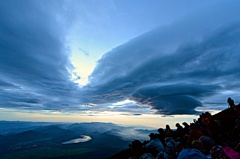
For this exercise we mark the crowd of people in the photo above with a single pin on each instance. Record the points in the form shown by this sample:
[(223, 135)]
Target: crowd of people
[(209, 137)]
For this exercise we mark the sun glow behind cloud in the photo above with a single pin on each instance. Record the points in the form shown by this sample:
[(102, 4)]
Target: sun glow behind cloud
[(83, 67)]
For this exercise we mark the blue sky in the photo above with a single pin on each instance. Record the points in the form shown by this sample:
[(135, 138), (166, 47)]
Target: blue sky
[(81, 60)]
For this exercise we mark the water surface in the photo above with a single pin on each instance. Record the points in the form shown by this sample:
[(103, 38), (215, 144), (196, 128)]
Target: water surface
[(83, 138)]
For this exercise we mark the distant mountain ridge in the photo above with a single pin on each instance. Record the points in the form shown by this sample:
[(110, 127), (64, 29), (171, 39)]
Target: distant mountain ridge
[(27, 138)]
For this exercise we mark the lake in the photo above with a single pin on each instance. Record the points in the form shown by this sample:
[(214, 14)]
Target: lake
[(83, 138)]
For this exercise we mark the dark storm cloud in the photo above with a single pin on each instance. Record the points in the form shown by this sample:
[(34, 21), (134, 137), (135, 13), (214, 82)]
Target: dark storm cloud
[(176, 68), (34, 61)]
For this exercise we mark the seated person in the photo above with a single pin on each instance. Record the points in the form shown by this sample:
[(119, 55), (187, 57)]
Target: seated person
[(138, 151), (155, 145)]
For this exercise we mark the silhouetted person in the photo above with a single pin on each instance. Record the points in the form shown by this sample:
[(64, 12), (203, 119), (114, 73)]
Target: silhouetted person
[(179, 132), (231, 102), (138, 151), (161, 136), (155, 145), (186, 128), (136, 148), (168, 131)]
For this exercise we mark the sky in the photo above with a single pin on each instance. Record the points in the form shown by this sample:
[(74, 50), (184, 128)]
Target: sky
[(148, 62)]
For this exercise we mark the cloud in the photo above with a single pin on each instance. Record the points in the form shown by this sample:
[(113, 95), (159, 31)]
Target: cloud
[(86, 53), (34, 61), (179, 66), (172, 69), (173, 99), (6, 85)]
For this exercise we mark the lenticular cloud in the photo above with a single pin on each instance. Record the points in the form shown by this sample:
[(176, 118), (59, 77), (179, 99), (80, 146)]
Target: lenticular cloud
[(176, 67)]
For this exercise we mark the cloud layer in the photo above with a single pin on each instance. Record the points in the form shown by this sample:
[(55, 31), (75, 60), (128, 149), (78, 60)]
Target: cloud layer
[(172, 69), (34, 61), (177, 68)]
